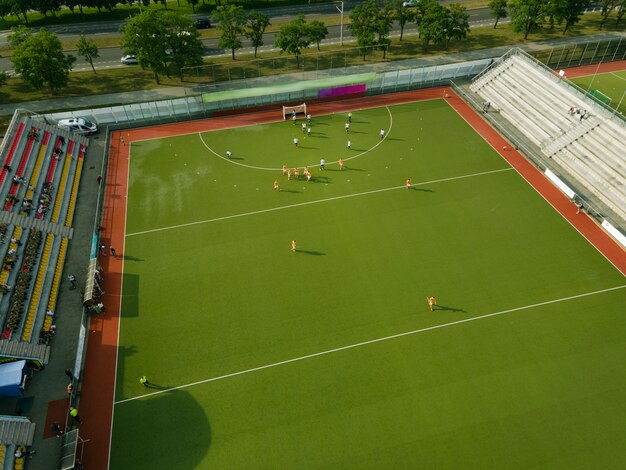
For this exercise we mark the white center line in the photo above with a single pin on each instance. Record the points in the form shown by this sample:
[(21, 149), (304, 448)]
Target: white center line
[(335, 198), (372, 341)]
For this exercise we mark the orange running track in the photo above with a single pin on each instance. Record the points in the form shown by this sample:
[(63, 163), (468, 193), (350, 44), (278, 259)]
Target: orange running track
[(98, 390)]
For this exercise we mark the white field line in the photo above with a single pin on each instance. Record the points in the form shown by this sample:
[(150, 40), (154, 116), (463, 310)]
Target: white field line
[(235, 125), (318, 201), (531, 185), (280, 169), (119, 319), (618, 76), (372, 341)]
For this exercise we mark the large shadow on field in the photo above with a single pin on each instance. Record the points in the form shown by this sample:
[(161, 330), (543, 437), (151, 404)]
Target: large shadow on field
[(130, 295), (169, 430)]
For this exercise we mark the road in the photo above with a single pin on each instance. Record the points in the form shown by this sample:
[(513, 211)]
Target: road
[(110, 56)]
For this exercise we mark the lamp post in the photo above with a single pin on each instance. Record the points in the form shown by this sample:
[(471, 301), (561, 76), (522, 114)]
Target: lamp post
[(341, 28)]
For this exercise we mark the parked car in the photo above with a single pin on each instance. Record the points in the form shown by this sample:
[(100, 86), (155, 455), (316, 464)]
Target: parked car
[(203, 23), (129, 60), (78, 126), (410, 3)]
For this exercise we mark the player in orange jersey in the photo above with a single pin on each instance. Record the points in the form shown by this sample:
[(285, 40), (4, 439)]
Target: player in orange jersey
[(276, 187), (408, 183), (289, 173), (308, 176), (341, 163), (284, 169), (296, 172), (293, 246), (432, 301)]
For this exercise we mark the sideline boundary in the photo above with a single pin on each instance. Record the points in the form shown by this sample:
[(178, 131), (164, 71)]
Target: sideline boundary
[(317, 201), (371, 341), (98, 386), (584, 224)]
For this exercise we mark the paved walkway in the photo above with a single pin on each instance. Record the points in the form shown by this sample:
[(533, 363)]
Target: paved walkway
[(97, 101)]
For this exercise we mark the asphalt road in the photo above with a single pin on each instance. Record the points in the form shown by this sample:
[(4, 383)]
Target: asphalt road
[(110, 56)]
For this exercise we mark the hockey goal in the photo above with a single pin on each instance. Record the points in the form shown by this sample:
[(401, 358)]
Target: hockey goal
[(288, 111)]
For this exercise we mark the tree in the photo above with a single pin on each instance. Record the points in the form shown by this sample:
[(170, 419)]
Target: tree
[(606, 7), (571, 11), (434, 24), (21, 6), (255, 28), (457, 22), (193, 4), (18, 36), (498, 10), (162, 38), (46, 6), (88, 49), (317, 32), (294, 37), (6, 8), (4, 77), (231, 20), (527, 15), (403, 15), (621, 9), (383, 24), (40, 61), (363, 24)]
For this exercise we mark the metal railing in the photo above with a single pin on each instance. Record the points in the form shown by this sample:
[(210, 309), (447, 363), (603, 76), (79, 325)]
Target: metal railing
[(538, 159)]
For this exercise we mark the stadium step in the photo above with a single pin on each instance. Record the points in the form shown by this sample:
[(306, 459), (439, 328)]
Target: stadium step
[(13, 218), (16, 430), (565, 139), (22, 350)]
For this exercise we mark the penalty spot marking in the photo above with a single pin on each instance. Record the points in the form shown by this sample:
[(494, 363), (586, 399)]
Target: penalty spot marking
[(372, 341), (290, 206)]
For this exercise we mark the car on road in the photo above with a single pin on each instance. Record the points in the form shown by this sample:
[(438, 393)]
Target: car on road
[(78, 126), (203, 23), (129, 60), (410, 3)]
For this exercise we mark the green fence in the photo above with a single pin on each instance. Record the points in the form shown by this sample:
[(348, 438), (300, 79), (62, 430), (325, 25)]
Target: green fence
[(584, 53)]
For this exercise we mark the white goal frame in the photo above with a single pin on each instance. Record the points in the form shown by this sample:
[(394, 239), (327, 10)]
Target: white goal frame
[(289, 110)]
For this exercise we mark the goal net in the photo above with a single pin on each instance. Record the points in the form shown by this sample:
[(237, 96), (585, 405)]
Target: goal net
[(289, 110)]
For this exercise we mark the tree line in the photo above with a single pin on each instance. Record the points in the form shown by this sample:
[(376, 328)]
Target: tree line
[(166, 41), (531, 15)]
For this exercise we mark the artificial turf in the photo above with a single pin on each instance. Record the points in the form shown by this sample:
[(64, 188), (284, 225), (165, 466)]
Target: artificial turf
[(536, 387), (612, 84)]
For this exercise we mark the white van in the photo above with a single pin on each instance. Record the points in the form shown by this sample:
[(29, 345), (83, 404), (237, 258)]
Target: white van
[(78, 126)]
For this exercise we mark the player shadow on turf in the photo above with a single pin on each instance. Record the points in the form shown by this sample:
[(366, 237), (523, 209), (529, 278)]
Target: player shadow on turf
[(346, 168), (236, 158), (413, 188), (322, 179), (159, 386), (306, 147), (448, 308), (311, 252), (295, 191), (131, 258)]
